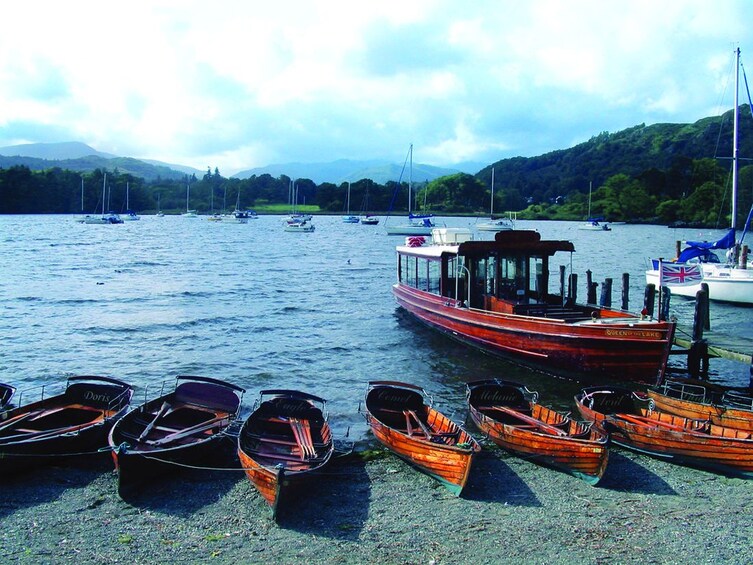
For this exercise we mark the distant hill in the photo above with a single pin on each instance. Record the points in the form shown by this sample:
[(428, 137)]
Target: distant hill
[(665, 150), (53, 151), (345, 170), (76, 156)]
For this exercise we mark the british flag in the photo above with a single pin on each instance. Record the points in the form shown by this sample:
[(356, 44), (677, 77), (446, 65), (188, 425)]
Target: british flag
[(680, 274)]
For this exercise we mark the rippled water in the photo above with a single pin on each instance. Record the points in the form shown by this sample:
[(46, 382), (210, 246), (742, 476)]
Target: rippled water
[(148, 300)]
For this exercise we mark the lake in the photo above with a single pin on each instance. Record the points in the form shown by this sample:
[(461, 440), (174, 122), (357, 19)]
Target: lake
[(146, 301)]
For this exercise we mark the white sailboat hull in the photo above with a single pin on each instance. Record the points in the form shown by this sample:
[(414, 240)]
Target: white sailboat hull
[(726, 284)]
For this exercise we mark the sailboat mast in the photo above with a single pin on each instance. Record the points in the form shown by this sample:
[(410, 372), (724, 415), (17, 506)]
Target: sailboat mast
[(735, 121), (491, 209), (104, 193), (410, 181), (82, 194)]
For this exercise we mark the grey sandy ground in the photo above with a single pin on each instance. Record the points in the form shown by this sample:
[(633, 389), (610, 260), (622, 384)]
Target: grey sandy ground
[(383, 511)]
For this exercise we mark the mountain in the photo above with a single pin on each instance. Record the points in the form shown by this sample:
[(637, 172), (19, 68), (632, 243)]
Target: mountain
[(53, 151), (76, 156), (346, 170)]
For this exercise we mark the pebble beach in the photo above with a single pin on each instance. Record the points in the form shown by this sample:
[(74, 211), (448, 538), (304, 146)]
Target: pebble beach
[(371, 507)]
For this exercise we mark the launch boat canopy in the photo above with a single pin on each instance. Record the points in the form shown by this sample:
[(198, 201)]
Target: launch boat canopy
[(494, 295)]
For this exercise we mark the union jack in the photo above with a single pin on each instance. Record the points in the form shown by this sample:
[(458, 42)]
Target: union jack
[(679, 274)]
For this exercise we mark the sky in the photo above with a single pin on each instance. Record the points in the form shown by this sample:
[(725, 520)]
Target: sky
[(248, 83)]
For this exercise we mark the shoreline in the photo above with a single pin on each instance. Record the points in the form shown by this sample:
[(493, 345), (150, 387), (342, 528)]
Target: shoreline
[(373, 507)]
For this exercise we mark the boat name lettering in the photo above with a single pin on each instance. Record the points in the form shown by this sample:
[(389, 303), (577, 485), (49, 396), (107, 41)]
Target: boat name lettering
[(499, 397), (634, 333), (98, 397)]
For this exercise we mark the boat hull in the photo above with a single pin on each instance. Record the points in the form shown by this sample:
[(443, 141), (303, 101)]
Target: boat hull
[(72, 424), (580, 451), (694, 443), (449, 463), (188, 426), (283, 443), (664, 400), (725, 284), (612, 348)]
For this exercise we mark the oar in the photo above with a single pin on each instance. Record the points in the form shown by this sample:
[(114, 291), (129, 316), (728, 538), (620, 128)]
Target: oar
[(148, 428), (19, 418), (423, 427), (201, 427), (544, 427)]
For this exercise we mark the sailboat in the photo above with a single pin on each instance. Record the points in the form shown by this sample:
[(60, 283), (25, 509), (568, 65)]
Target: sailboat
[(189, 213), (728, 281), (496, 224), (106, 217), (160, 213), (130, 215), (592, 224), (418, 224), (348, 218), (366, 218)]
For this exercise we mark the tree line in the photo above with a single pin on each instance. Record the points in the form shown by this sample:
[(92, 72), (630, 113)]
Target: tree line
[(692, 191)]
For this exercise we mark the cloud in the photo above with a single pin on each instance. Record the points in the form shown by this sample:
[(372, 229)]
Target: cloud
[(241, 84)]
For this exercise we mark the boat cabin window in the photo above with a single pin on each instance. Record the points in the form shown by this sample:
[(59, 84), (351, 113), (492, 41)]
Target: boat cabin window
[(420, 273)]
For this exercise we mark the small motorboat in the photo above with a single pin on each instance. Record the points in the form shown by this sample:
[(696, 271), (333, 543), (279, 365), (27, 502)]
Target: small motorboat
[(283, 442), (401, 417), (75, 422), (182, 427), (298, 225), (511, 416)]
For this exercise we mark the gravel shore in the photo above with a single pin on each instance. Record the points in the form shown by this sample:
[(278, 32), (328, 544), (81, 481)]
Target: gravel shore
[(374, 508)]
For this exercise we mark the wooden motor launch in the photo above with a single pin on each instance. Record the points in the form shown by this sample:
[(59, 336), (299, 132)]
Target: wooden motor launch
[(494, 296)]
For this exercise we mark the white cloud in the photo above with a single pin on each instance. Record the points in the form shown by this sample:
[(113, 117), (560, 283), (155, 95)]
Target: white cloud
[(239, 84)]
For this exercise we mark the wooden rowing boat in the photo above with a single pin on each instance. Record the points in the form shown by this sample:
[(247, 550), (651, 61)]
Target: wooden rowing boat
[(182, 427), (283, 442), (724, 406), (510, 415), (73, 423), (597, 402), (687, 441), (401, 417)]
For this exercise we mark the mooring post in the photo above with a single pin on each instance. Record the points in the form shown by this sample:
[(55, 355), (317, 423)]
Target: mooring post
[(625, 290), (590, 288), (664, 305), (698, 355), (572, 291), (705, 306), (562, 284), (744, 257), (606, 294), (648, 300)]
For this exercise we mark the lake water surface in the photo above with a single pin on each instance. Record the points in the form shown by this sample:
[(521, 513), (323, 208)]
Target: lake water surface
[(149, 300)]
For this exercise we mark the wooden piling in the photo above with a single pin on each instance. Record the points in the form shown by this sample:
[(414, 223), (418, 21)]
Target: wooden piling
[(625, 291), (648, 300), (562, 284), (665, 294), (572, 290), (606, 294)]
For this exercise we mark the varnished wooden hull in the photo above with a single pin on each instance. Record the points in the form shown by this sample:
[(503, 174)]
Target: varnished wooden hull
[(686, 441), (72, 424), (616, 350), (271, 452), (706, 407), (581, 451), (449, 463), (186, 427)]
